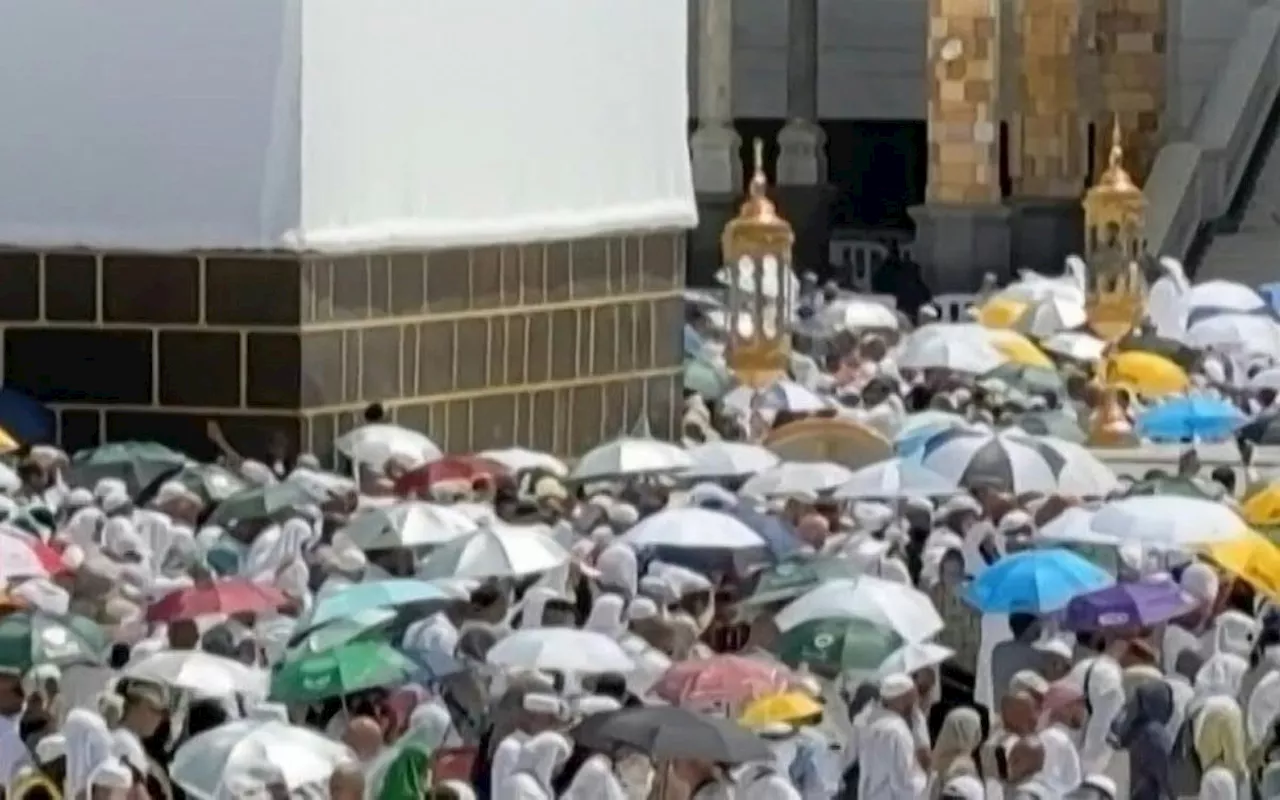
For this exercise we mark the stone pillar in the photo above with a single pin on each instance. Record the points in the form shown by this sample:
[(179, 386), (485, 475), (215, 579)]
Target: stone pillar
[(962, 230), (1048, 134), (1131, 40), (803, 191), (715, 145)]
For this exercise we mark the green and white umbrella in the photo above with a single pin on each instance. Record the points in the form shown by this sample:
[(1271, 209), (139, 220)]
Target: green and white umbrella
[(138, 464), (265, 502), (29, 638), (410, 524), (792, 577), (353, 667), (832, 646)]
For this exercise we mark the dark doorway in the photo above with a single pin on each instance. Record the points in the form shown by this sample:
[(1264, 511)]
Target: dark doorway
[(878, 170)]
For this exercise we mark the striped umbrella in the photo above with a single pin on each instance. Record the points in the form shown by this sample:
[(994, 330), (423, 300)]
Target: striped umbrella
[(1007, 461)]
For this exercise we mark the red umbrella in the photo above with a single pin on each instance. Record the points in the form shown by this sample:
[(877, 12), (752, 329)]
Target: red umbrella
[(723, 680), (48, 557), (450, 469), (232, 596)]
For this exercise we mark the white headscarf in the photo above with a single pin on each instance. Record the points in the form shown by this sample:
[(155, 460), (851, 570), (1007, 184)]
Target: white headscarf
[(606, 616), (535, 603), (540, 759), (619, 569), (1221, 676), (88, 748), (595, 781), (84, 527)]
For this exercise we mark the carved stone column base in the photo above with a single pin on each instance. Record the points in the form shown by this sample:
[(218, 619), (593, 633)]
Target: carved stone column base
[(802, 154), (1046, 231), (956, 245), (715, 153)]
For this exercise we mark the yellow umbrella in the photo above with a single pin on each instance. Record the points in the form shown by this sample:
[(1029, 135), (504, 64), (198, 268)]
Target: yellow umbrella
[(1018, 349), (7, 443), (1001, 312), (1262, 509), (1253, 559), (1147, 373), (785, 707)]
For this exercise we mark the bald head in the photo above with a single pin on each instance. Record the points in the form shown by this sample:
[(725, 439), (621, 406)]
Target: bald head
[(364, 737), (1019, 712), (347, 783)]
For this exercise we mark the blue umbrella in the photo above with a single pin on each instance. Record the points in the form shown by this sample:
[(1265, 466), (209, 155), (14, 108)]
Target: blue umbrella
[(26, 418), (1035, 581), (1191, 417), (352, 600), (778, 535)]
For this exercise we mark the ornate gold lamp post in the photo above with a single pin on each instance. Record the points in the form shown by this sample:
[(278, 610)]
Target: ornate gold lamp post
[(757, 248), (1115, 217)]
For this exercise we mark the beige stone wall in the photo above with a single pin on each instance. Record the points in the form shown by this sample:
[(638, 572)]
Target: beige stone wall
[(1131, 42), (964, 157), (1049, 134)]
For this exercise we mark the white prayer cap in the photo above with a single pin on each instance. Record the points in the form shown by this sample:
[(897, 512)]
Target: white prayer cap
[(710, 495), (114, 501), (538, 703), (51, 747), (269, 712), (1029, 680), (112, 774), (1201, 581), (1101, 783), (964, 787), (1014, 520), (1055, 645), (642, 608), (78, 498), (774, 730), (961, 502), (896, 685), (872, 515), (257, 473), (623, 514), (108, 486), (172, 490), (596, 704), (684, 580), (349, 559), (929, 312), (658, 589)]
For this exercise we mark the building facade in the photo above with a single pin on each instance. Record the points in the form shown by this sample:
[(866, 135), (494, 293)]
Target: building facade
[(940, 120)]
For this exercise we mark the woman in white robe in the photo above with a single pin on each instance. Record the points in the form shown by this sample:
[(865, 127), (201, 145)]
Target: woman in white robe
[(543, 756), (606, 616), (1218, 737)]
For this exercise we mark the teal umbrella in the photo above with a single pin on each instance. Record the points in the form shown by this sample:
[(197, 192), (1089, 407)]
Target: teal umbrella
[(265, 502), (793, 576), (28, 638), (351, 600), (353, 667), (338, 632), (138, 464), (213, 483), (705, 379)]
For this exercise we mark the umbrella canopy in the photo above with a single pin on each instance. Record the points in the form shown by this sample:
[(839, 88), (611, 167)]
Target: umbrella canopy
[(1005, 461), (1075, 345), (566, 650), (202, 674), (353, 667), (728, 460), (1051, 315), (709, 381), (784, 395), (520, 459), (630, 455), (1219, 296), (1082, 474), (913, 657), (1169, 485), (377, 443), (308, 639), (721, 681), (448, 469), (792, 577), (138, 464), (835, 645), (696, 537), (223, 596), (785, 707), (1029, 379), (25, 419), (1148, 374), (1254, 559), (392, 593), (245, 756), (918, 428), (894, 478), (20, 559), (212, 483), (1191, 418), (790, 478), (1035, 581), (855, 314), (266, 502), (28, 638), (1236, 333), (902, 609), (1051, 423), (938, 347), (1168, 521), (408, 524), (1263, 429), (1003, 312), (1128, 605), (495, 550), (1262, 508), (666, 733)]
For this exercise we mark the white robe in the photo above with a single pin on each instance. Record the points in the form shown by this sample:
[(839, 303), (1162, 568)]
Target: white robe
[(1062, 772), (889, 770), (1219, 784), (1101, 680), (595, 781)]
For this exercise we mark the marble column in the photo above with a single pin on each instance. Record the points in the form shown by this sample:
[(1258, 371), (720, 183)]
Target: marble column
[(715, 145), (962, 230), (1048, 134), (1131, 37), (803, 191)]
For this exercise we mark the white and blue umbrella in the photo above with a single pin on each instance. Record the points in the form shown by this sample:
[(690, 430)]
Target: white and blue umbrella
[(1006, 461), (698, 538), (894, 478)]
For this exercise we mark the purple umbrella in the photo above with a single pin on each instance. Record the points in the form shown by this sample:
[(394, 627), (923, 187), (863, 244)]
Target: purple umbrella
[(1128, 605)]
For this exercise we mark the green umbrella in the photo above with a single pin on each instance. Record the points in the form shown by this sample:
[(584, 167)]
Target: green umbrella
[(792, 577), (138, 464), (213, 483), (1028, 379), (353, 667), (1051, 423), (28, 638), (265, 502), (706, 379), (833, 645)]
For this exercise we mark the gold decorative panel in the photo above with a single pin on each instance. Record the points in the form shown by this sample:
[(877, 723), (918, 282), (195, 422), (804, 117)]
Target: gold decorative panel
[(1131, 38), (964, 165), (1049, 137)]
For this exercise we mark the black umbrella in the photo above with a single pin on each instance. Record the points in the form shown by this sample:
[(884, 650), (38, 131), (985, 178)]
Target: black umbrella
[(668, 732)]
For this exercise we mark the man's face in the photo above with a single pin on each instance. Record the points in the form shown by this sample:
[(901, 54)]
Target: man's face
[(12, 698)]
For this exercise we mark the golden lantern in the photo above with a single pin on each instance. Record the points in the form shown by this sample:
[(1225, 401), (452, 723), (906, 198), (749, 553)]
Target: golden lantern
[(1116, 299), (757, 252)]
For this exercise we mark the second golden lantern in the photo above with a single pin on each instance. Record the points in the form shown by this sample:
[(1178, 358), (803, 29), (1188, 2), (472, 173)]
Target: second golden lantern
[(757, 247)]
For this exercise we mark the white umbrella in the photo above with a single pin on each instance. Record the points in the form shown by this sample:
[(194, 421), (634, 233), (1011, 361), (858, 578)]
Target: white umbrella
[(496, 550), (239, 758), (1227, 296), (1051, 315), (913, 657), (728, 460), (1236, 333), (856, 313), (1006, 460), (950, 347), (1076, 345), (894, 478), (630, 455), (560, 649), (1082, 474), (409, 524), (1266, 379), (903, 609), (1168, 521), (520, 459), (202, 674), (1075, 524), (18, 558), (694, 528), (9, 480), (377, 443), (792, 477), (782, 396)]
